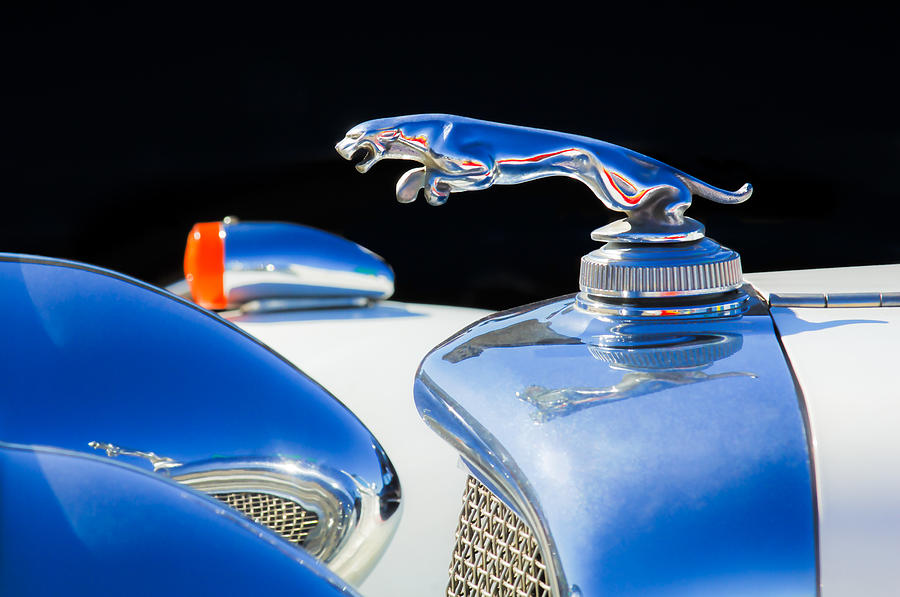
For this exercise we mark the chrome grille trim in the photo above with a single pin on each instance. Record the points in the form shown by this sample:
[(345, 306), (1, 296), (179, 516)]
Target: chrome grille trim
[(496, 554), (285, 517), (354, 523)]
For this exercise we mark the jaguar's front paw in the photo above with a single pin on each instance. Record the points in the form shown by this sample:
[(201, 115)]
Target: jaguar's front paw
[(409, 184)]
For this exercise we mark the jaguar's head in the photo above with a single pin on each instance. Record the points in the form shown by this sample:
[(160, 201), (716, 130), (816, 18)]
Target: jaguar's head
[(405, 138)]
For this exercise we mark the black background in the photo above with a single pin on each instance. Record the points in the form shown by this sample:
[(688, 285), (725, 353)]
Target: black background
[(123, 129)]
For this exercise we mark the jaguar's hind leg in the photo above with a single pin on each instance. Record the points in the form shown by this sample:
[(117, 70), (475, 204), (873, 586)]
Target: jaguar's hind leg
[(437, 188)]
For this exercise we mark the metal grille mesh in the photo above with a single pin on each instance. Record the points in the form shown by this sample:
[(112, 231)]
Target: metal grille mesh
[(496, 554), (283, 516)]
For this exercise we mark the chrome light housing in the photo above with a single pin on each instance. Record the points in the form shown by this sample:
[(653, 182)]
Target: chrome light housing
[(267, 266)]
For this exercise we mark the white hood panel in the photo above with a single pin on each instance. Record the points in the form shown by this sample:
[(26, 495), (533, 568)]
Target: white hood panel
[(847, 362), (369, 362), (868, 278)]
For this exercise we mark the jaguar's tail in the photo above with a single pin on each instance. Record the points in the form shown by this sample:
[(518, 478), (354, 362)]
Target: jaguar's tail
[(701, 189)]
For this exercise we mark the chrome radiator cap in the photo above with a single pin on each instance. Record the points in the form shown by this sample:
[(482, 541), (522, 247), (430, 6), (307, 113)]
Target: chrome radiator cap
[(626, 270)]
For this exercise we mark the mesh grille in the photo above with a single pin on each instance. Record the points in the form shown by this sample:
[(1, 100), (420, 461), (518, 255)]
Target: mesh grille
[(283, 516), (496, 553)]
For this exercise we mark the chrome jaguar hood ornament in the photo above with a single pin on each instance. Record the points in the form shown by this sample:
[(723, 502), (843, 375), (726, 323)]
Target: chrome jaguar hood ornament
[(655, 253), (463, 154)]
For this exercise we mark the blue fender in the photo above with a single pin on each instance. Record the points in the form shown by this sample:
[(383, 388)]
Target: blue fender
[(96, 362), (78, 525)]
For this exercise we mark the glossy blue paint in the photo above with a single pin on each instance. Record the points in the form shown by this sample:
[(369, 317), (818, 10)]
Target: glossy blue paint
[(279, 247), (650, 457), (78, 525), (89, 355), (93, 356)]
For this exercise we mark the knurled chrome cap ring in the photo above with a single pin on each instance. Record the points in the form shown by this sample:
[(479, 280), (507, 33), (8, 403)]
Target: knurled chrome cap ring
[(702, 268)]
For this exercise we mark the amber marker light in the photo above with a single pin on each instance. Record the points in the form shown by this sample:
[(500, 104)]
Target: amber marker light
[(204, 264)]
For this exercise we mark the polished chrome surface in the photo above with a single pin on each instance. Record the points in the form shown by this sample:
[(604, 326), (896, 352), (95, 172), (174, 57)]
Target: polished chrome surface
[(329, 495), (464, 154), (159, 462), (312, 268), (625, 270), (280, 265), (153, 381), (275, 305), (648, 456), (797, 300), (723, 305), (835, 299), (495, 553), (848, 300), (355, 522), (654, 252), (285, 517)]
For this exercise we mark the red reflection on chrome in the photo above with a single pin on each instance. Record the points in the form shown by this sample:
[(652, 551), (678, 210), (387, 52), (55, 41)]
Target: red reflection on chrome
[(536, 158), (631, 199), (421, 140)]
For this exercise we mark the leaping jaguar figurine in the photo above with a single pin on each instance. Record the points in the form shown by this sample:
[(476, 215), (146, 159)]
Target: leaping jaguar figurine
[(463, 154)]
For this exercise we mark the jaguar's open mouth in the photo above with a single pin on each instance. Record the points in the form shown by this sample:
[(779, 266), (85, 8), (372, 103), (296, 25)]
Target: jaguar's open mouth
[(367, 155), (364, 152)]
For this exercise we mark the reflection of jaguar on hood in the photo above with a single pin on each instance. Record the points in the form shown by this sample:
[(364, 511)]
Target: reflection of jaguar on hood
[(462, 154)]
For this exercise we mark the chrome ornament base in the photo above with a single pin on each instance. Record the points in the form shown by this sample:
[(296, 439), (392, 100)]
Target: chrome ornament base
[(727, 304), (627, 270), (628, 230)]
